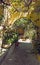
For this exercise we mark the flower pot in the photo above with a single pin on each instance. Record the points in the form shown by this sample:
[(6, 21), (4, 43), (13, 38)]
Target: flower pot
[(20, 31)]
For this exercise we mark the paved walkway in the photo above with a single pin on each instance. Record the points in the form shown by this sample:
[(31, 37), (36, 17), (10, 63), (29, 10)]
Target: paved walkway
[(20, 56)]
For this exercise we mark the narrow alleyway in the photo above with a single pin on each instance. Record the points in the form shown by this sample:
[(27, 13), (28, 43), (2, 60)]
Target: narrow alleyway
[(20, 56)]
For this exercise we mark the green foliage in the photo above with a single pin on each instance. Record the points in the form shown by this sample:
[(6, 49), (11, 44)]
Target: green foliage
[(10, 37), (30, 34), (27, 26), (0, 17), (21, 23), (20, 5), (16, 0)]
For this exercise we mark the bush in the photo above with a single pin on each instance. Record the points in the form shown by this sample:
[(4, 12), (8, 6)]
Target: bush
[(10, 37)]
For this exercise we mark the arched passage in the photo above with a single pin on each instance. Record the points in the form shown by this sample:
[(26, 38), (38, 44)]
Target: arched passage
[(25, 27)]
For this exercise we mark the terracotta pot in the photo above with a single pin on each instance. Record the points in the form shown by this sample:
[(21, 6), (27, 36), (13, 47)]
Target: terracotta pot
[(20, 31)]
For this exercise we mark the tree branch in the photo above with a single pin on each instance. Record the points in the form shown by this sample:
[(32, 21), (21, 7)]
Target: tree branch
[(27, 2)]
